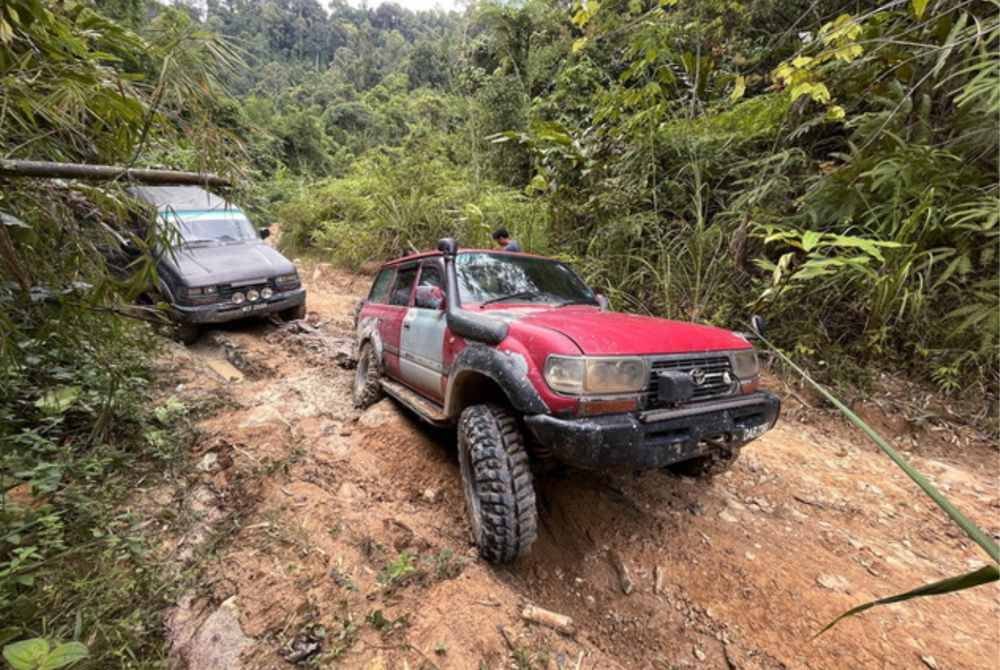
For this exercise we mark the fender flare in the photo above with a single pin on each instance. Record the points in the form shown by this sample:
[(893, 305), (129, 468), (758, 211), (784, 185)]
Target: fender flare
[(367, 331), (507, 369)]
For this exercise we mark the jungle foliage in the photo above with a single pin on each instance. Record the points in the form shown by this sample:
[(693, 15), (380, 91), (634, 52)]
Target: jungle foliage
[(831, 165), (78, 427)]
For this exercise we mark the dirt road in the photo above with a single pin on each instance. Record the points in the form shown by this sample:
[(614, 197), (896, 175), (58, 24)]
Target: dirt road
[(311, 533)]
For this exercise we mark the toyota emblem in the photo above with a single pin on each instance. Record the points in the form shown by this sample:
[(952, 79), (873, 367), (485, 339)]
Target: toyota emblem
[(698, 376)]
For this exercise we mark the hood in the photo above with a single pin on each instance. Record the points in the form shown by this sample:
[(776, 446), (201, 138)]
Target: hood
[(226, 263), (599, 333)]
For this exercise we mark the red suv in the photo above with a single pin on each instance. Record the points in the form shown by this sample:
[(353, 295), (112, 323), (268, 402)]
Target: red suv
[(518, 352)]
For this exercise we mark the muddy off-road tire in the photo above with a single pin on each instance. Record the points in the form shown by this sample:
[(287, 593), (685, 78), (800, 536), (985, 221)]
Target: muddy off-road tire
[(496, 477), (187, 333), (720, 460), (367, 390), (294, 313)]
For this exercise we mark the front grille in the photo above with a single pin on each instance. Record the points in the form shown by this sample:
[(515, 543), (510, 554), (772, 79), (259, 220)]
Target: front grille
[(226, 291), (719, 379)]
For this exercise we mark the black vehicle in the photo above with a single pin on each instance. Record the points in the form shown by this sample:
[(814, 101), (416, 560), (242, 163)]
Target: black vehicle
[(213, 265)]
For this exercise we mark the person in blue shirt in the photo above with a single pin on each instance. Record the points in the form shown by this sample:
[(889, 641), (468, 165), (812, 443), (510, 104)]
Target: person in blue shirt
[(502, 238)]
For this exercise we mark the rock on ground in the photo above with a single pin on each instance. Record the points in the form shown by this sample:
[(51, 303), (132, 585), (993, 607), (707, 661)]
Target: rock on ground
[(217, 642)]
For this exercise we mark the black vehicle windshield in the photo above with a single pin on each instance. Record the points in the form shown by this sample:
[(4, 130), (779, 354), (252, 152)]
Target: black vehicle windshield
[(498, 278), (210, 226)]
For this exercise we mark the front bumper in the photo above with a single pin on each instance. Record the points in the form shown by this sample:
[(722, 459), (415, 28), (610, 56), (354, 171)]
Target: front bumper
[(222, 312), (655, 438)]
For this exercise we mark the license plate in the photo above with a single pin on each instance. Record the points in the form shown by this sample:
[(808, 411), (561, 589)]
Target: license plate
[(253, 308), (754, 432)]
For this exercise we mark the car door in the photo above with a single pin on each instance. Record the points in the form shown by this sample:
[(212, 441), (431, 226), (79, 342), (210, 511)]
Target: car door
[(392, 315), (422, 338)]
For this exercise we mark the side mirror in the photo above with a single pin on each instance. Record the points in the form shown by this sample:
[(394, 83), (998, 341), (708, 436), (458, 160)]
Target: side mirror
[(602, 301), (429, 297), (265, 233), (758, 324)]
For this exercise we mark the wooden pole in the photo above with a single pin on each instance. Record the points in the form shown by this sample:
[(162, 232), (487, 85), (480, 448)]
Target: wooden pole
[(49, 170)]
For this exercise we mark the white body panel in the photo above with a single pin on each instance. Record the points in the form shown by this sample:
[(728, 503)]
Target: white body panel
[(421, 349)]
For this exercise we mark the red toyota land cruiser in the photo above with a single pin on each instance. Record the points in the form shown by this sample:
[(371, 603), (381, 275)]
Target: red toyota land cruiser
[(528, 362)]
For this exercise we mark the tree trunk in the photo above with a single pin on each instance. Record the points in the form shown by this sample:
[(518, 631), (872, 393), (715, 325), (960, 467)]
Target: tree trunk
[(48, 170)]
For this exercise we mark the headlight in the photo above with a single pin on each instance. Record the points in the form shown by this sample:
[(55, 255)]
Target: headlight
[(565, 374), (253, 295), (574, 375), (287, 281), (198, 291), (745, 364), (266, 293), (239, 298)]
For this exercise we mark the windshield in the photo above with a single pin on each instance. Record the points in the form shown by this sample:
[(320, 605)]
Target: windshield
[(485, 277), (222, 225)]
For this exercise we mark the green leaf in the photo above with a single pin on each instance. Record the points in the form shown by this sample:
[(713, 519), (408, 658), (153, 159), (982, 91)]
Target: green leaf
[(58, 400), (739, 88), (871, 247), (579, 44), (538, 184), (809, 239), (817, 92), (984, 575), (26, 654), (918, 7), (835, 113), (64, 655)]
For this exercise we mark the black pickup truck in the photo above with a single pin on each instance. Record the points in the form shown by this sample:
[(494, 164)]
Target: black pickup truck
[(213, 265)]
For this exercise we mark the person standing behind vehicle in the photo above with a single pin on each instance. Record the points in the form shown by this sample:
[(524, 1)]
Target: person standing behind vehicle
[(502, 237)]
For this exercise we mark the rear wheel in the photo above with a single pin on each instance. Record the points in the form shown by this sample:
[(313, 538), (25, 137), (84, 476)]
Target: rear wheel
[(499, 493), (367, 390)]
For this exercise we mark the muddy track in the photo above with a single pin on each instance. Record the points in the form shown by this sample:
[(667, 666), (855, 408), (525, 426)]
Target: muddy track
[(316, 535)]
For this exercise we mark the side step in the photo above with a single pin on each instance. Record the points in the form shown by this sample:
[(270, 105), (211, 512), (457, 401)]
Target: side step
[(424, 408)]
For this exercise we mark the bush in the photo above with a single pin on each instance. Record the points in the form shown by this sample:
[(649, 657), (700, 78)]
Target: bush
[(397, 203), (77, 430)]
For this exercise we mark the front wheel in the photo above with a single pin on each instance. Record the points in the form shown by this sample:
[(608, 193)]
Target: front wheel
[(294, 313), (187, 333), (499, 493), (367, 388)]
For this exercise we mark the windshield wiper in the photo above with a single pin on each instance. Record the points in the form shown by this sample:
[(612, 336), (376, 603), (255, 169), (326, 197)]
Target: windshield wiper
[(578, 301), (512, 296)]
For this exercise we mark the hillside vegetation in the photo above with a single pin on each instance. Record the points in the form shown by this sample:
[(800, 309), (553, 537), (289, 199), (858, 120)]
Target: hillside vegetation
[(831, 165)]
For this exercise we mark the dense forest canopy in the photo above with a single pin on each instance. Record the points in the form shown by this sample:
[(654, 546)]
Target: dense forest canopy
[(832, 165)]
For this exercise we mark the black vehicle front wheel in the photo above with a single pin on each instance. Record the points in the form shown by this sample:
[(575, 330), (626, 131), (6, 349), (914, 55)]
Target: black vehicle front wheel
[(294, 313), (187, 333), (496, 477)]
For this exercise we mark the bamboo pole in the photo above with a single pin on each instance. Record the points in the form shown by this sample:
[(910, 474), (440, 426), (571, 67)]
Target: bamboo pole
[(50, 170)]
